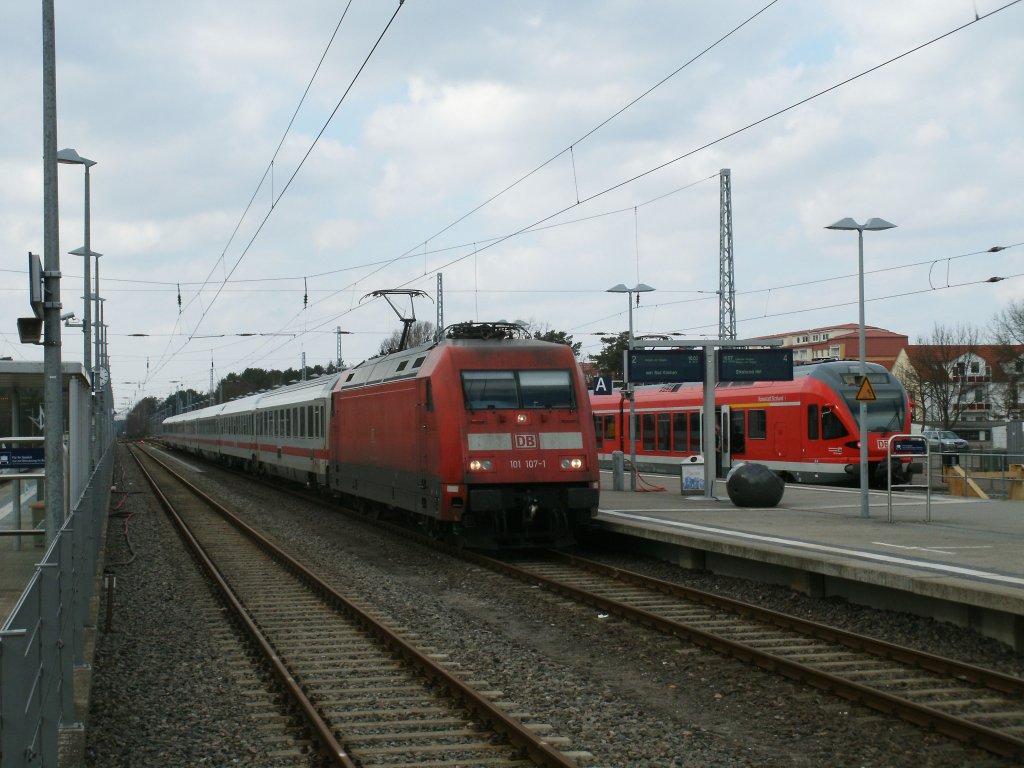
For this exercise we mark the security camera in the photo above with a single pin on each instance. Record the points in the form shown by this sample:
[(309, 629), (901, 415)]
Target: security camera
[(67, 316)]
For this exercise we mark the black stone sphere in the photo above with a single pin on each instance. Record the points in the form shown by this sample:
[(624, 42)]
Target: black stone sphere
[(754, 485)]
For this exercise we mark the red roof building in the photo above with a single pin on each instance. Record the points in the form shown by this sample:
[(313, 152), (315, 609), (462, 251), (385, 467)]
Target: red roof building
[(842, 342)]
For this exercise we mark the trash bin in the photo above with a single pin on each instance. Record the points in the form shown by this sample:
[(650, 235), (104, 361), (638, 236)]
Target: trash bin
[(692, 476)]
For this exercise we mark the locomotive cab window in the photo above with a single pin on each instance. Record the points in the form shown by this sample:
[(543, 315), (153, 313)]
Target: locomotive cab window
[(546, 389), (490, 389), (517, 389)]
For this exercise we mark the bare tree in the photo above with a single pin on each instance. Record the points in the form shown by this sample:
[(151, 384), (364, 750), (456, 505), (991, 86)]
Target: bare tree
[(937, 377), (1008, 325), (1008, 369), (420, 332)]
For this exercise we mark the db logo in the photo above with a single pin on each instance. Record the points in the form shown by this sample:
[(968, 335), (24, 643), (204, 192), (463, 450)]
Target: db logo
[(525, 441)]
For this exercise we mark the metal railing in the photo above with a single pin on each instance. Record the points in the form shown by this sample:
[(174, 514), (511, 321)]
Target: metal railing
[(999, 474), (914, 446), (42, 641)]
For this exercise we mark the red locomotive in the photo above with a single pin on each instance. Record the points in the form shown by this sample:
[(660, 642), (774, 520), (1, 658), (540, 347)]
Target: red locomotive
[(485, 437), (805, 430)]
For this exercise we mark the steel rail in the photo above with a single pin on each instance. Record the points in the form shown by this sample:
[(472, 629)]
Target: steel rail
[(997, 681), (955, 727), (330, 746), (518, 735), (959, 728)]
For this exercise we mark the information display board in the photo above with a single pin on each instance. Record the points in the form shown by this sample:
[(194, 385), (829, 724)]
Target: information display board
[(22, 458), (664, 366), (909, 446), (755, 364)]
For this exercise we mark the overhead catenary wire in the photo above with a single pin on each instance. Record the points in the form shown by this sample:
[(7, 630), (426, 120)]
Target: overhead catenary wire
[(163, 362), (542, 165), (714, 142), (723, 138)]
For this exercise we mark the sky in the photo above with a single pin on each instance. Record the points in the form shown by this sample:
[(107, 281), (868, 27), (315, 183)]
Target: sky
[(262, 168)]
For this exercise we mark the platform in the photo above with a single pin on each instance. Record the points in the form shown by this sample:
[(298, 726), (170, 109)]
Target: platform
[(965, 566)]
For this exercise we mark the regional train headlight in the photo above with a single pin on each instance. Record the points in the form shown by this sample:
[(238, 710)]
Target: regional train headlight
[(480, 465), (573, 462)]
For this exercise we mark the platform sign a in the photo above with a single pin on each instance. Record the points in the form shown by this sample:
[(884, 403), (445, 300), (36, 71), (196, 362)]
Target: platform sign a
[(603, 385)]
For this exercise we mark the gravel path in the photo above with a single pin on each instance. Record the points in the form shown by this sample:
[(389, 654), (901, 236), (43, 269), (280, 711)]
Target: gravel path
[(629, 697)]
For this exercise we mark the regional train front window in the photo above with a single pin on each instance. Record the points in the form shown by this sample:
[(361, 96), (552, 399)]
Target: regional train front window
[(517, 389), (885, 414)]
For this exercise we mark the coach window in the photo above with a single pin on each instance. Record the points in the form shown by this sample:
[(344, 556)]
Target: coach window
[(812, 422), (679, 433), (647, 431), (757, 424), (695, 441), (597, 431), (609, 428), (664, 432), (302, 423), (737, 433)]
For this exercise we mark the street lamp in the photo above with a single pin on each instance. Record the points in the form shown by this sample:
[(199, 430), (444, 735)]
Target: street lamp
[(637, 289), (71, 157), (871, 225)]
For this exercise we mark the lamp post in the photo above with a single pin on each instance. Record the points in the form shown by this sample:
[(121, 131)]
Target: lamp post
[(637, 289), (71, 157), (871, 225)]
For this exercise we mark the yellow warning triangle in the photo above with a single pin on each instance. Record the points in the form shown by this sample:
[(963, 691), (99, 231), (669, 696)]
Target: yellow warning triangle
[(866, 392)]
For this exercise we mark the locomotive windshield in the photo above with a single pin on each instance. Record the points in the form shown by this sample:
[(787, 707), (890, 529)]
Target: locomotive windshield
[(518, 389), (886, 414)]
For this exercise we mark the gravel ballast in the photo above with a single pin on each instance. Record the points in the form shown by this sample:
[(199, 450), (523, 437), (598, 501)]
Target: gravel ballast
[(626, 695)]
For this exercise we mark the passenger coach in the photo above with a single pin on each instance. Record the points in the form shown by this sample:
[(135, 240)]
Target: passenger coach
[(280, 433)]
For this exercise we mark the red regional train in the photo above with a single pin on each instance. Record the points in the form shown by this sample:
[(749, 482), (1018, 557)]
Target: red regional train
[(805, 430), (485, 437)]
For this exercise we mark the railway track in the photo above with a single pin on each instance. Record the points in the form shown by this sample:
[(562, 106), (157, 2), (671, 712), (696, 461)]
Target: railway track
[(975, 705), (367, 696)]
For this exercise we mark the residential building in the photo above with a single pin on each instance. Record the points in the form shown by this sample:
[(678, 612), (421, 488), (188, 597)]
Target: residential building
[(842, 342)]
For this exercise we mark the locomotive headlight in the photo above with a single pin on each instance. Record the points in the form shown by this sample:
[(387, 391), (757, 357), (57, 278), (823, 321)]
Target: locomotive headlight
[(574, 462), (481, 465), (522, 418)]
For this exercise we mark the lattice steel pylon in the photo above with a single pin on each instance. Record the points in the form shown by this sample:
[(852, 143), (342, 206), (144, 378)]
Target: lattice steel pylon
[(726, 283), (439, 326)]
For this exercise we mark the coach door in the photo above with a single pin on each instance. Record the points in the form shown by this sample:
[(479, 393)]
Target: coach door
[(723, 442)]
